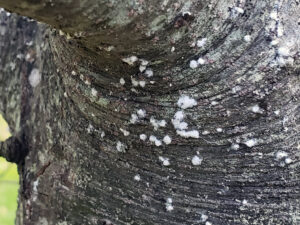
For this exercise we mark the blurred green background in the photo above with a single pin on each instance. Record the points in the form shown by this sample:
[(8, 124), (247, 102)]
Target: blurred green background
[(9, 185)]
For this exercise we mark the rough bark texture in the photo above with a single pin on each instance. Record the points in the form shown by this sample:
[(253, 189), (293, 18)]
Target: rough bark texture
[(85, 162)]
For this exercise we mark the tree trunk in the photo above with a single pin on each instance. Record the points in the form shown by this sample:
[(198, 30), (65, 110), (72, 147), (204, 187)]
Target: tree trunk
[(153, 112)]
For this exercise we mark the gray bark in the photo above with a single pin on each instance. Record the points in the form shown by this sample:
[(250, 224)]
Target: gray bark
[(79, 152)]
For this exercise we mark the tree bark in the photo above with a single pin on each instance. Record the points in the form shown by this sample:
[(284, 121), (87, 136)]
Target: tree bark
[(79, 105)]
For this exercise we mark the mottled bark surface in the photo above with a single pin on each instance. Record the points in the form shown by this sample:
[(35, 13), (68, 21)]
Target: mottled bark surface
[(64, 96)]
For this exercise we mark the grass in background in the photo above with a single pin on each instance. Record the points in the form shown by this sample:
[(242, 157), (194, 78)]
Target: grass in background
[(9, 185)]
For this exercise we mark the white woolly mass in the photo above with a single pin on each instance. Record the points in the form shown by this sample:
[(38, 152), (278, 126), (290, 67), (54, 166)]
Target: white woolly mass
[(288, 160), (156, 141), (125, 132), (157, 123), (247, 38), (35, 190), (120, 147), (142, 68), (134, 118), (177, 121), (167, 139), (35, 185), (251, 142), (235, 146), (274, 15), (143, 137), (94, 92), (239, 10), (201, 42), (281, 154), (169, 206), (134, 82), (188, 134), (193, 64), (201, 61), (34, 77), (137, 177), (283, 51), (204, 217), (130, 60), (185, 102), (179, 115), (149, 73), (196, 160), (122, 81), (179, 124), (144, 62), (256, 109), (205, 132), (164, 160), (142, 83), (219, 130), (141, 113)]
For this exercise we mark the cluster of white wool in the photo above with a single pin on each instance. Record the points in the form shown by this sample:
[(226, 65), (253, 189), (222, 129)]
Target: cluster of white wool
[(165, 161), (247, 38), (136, 83), (197, 160), (235, 146), (125, 132), (34, 77), (169, 206), (181, 126), (156, 141), (121, 147), (94, 92), (195, 63), (134, 118), (167, 139), (90, 128), (122, 81), (239, 10), (204, 217), (157, 123), (143, 65), (130, 60), (284, 54), (188, 134), (251, 142), (140, 114), (35, 190), (185, 102), (282, 155), (256, 109), (137, 177), (201, 42), (149, 72), (143, 137)]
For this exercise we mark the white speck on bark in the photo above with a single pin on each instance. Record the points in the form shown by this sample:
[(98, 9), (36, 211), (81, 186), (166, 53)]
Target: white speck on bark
[(34, 77), (125, 132), (167, 139), (122, 81), (251, 142), (185, 102), (196, 160), (130, 60), (143, 137)]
